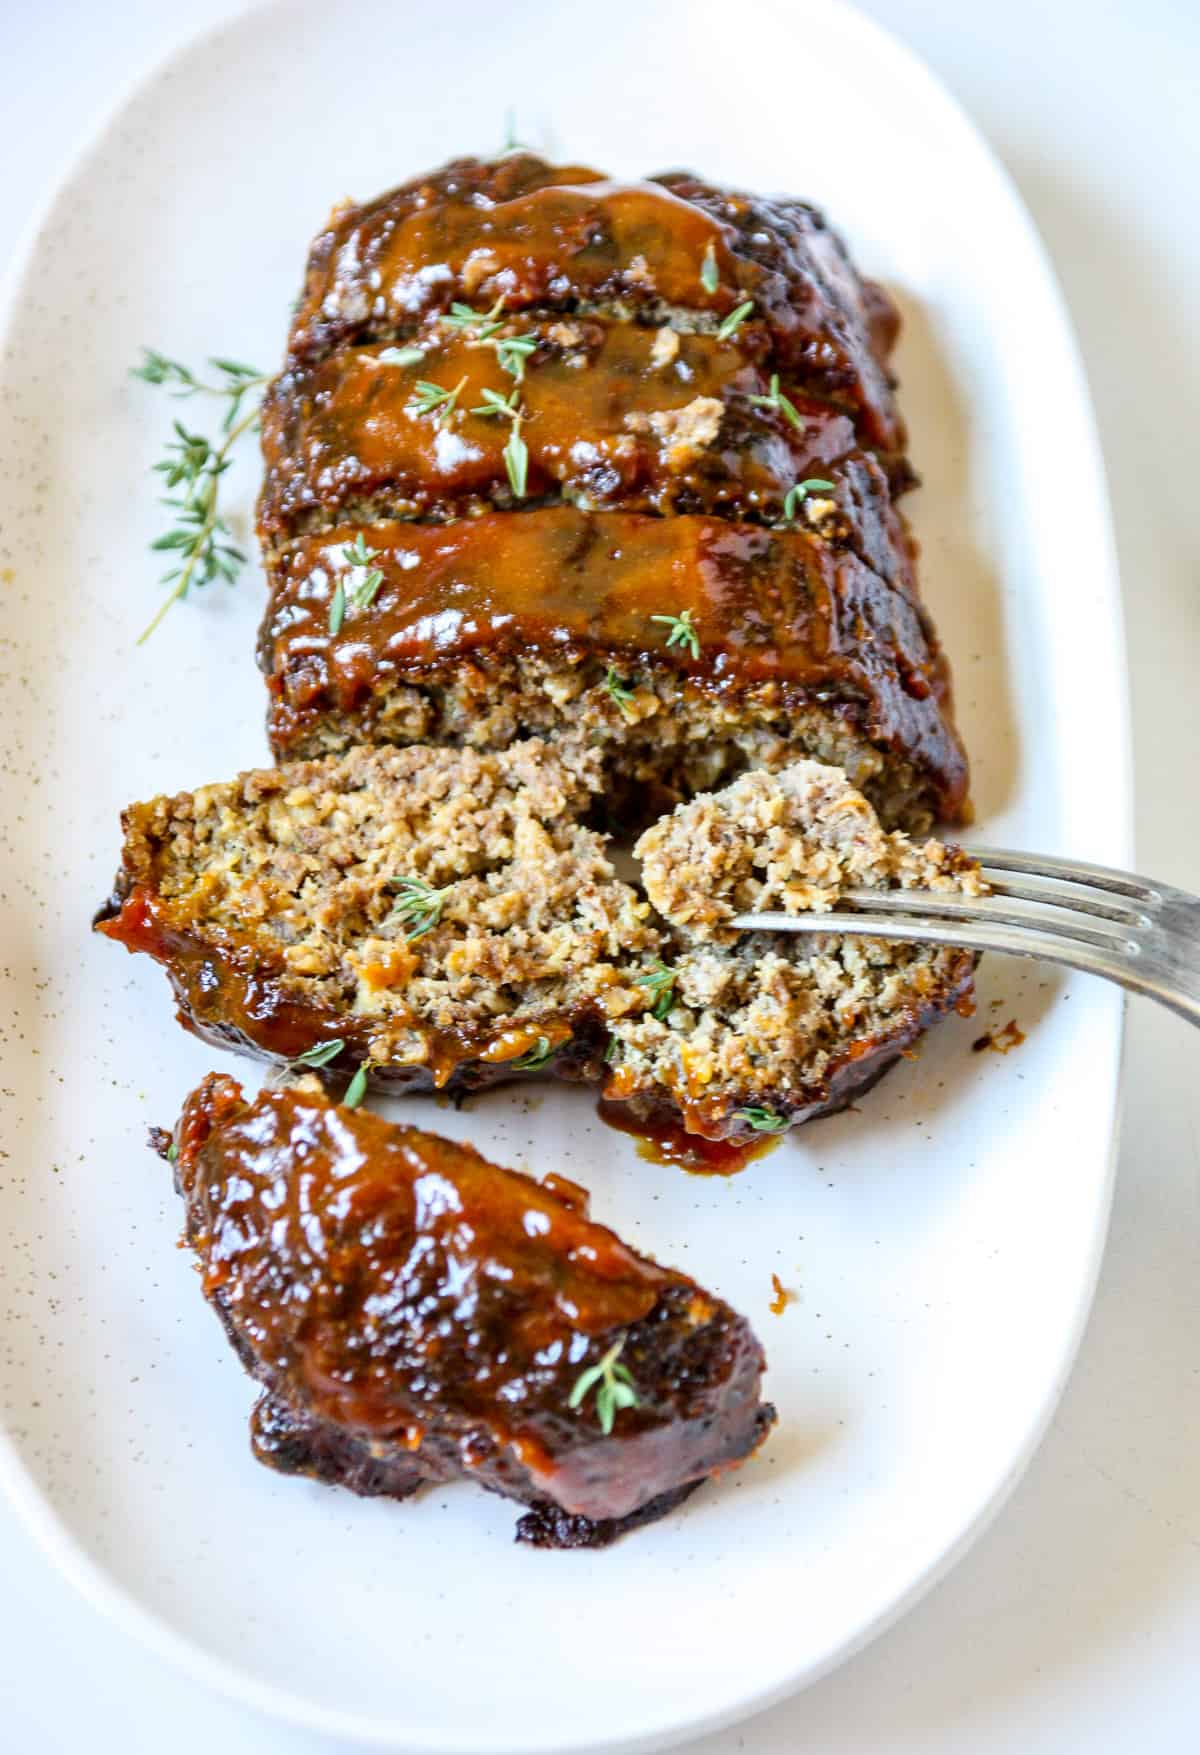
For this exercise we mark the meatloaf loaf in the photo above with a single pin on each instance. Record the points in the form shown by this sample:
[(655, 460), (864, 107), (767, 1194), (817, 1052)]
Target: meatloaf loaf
[(448, 918), (554, 455), (414, 1313)]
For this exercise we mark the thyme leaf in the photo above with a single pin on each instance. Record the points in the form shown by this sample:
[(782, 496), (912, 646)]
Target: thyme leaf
[(734, 321), (659, 983), (367, 579), (621, 693), (616, 1387), (535, 1057), (683, 632), (516, 458), (512, 351), (800, 491), (776, 400), (710, 277), (485, 323), (419, 907), (433, 399), (356, 1090), (321, 1053), (337, 610), (761, 1120), (400, 356)]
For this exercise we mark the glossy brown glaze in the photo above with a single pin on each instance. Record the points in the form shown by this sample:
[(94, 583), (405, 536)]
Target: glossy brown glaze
[(617, 416), (417, 1313), (783, 618), (561, 237), (665, 1140)]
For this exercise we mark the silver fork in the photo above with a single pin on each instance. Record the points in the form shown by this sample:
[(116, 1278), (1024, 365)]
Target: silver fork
[(1144, 935)]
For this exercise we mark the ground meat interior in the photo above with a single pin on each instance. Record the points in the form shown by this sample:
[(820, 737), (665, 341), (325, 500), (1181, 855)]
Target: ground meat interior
[(449, 918)]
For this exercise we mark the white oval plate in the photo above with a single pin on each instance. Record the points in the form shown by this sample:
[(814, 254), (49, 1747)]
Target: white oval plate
[(943, 1240)]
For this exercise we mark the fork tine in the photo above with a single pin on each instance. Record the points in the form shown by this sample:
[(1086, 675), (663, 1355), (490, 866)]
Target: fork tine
[(1076, 871), (1042, 914), (1055, 892), (1100, 958)]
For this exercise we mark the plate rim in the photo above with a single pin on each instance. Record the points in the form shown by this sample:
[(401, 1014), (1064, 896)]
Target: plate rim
[(152, 1630)]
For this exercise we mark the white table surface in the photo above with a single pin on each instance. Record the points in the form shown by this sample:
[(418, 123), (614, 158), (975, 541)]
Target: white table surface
[(1074, 1625)]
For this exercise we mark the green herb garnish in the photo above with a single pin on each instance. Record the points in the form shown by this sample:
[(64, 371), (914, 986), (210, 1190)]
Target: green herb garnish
[(511, 143), (734, 321), (337, 609), (173, 1152), (683, 633), (710, 277), (800, 491), (761, 1120), (400, 356), (533, 1057), (659, 983), (419, 907), (432, 399), (516, 458), (611, 1052), (779, 402), (497, 406), (364, 587), (321, 1053), (199, 541), (616, 1387), (357, 1088), (621, 693), (486, 322), (512, 351)]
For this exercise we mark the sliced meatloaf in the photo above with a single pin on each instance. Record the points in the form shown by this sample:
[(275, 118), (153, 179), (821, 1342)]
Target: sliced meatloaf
[(448, 918), (414, 1313), (553, 455), (683, 647)]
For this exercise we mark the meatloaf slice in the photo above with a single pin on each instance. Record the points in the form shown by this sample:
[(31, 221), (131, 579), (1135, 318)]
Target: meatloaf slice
[(447, 918), (415, 1313), (615, 416), (542, 237), (684, 647)]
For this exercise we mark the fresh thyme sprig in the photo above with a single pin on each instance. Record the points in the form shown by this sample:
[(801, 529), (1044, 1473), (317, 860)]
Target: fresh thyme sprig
[(776, 399), (621, 693), (419, 907), (200, 539), (616, 1389), (512, 351), (485, 323), (710, 277), (734, 321), (433, 399), (501, 407), (356, 1090), (800, 491), (683, 632), (321, 1053), (534, 1057), (761, 1120), (361, 594), (659, 983)]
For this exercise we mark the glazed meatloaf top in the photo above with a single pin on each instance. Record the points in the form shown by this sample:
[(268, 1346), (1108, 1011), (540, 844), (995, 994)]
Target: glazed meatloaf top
[(562, 237)]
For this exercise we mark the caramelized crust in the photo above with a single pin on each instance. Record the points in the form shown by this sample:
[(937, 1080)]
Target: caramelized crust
[(566, 238), (416, 1313), (784, 621)]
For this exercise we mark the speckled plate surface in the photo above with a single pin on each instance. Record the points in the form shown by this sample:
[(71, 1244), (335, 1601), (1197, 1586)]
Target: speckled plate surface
[(942, 1241)]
